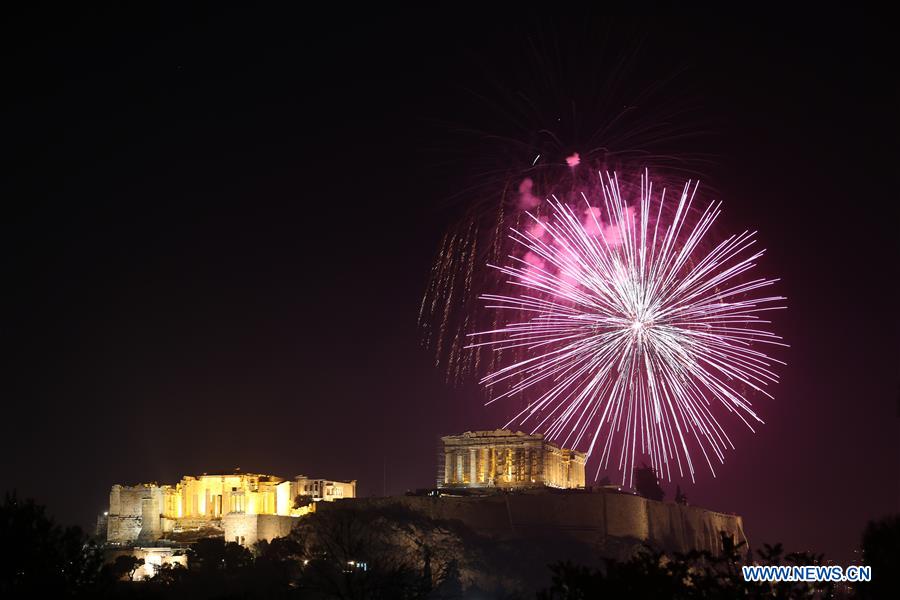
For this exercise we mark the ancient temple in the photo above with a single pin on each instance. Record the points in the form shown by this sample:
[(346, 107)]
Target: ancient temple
[(507, 460), (253, 506)]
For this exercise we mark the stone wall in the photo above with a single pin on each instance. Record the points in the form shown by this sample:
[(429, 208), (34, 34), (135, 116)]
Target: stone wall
[(270, 527), (240, 528), (610, 522), (249, 529), (134, 514), (101, 530)]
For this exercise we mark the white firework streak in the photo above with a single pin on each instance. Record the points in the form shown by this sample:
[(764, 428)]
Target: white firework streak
[(634, 339)]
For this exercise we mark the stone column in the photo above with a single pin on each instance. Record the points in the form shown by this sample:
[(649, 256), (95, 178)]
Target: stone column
[(448, 466), (528, 473), (516, 464), (484, 456), (473, 466), (490, 466)]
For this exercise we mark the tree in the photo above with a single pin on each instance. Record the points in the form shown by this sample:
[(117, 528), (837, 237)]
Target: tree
[(209, 555), (696, 574), (647, 484), (881, 551), (278, 563), (169, 575), (680, 497), (351, 554), (39, 557), (124, 566), (302, 500)]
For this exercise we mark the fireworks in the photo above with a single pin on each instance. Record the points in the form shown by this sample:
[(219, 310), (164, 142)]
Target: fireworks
[(632, 335), (533, 139)]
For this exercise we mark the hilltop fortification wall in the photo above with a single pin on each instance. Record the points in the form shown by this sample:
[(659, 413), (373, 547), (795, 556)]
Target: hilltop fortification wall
[(611, 523)]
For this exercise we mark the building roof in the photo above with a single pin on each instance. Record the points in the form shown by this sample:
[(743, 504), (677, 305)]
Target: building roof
[(507, 433)]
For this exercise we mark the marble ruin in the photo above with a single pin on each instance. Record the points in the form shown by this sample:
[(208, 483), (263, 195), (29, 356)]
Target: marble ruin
[(506, 460), (244, 507)]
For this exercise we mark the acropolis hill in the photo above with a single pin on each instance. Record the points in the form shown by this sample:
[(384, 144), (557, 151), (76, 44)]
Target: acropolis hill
[(499, 485), (552, 500)]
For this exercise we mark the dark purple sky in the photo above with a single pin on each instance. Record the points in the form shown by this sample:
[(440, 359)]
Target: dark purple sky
[(217, 229)]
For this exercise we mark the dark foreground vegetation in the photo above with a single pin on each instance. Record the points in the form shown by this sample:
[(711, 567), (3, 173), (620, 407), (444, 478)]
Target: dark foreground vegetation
[(395, 554)]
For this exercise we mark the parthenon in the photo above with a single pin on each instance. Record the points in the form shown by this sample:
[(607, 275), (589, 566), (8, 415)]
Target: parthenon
[(503, 459)]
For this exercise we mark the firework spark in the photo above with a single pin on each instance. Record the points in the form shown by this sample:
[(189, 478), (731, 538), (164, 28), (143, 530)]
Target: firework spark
[(636, 332)]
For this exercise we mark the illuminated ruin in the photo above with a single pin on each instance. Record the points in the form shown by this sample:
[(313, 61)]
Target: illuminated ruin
[(244, 507), (507, 460)]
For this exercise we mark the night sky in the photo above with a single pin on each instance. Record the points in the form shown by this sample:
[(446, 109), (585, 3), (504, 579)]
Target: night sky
[(217, 229)]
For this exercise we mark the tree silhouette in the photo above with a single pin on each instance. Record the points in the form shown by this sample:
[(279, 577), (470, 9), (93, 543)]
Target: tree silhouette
[(209, 555), (124, 566), (39, 557), (647, 484), (881, 551), (696, 574), (302, 500), (352, 554)]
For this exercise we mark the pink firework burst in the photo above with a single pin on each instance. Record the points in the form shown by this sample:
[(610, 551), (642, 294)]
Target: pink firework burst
[(636, 332)]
